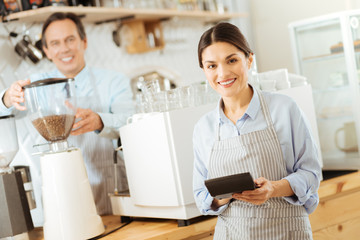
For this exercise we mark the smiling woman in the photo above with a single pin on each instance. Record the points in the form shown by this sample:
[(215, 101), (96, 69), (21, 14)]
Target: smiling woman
[(263, 133)]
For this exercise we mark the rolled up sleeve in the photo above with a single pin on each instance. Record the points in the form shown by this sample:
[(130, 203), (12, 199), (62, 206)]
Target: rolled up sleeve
[(3, 109), (306, 172)]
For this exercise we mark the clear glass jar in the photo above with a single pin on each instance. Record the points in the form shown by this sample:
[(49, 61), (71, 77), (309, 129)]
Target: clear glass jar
[(52, 107)]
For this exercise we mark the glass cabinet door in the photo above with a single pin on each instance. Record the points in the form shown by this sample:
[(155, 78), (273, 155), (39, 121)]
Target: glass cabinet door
[(321, 58)]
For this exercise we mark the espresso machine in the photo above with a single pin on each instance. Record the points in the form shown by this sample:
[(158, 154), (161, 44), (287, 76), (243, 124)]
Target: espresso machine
[(69, 208), (15, 218)]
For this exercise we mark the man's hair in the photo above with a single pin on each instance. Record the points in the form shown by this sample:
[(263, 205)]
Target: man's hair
[(58, 16)]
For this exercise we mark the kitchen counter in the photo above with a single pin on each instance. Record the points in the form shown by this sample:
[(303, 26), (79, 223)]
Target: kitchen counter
[(150, 229), (336, 217)]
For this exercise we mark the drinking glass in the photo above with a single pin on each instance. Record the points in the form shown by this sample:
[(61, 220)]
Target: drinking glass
[(200, 92), (141, 103), (186, 95), (160, 103), (172, 99), (150, 86)]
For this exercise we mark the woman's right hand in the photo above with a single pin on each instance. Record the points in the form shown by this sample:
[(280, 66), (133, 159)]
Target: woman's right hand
[(15, 95)]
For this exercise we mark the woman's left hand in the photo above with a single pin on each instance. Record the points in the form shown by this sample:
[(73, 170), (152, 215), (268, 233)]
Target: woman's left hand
[(259, 195)]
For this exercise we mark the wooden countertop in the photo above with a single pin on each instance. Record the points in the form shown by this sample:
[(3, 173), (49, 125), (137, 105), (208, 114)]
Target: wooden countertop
[(150, 229)]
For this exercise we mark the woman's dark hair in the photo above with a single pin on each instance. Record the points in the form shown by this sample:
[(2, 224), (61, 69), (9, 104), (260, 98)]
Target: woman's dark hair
[(223, 32), (58, 16)]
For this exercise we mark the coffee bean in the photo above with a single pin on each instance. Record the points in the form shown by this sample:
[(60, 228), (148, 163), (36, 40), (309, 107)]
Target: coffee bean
[(54, 127)]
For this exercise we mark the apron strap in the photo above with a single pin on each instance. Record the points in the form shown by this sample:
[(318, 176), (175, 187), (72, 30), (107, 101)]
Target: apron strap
[(265, 108), (218, 132)]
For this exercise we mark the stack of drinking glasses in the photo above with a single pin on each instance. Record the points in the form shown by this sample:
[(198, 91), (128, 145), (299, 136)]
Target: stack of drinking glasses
[(153, 99)]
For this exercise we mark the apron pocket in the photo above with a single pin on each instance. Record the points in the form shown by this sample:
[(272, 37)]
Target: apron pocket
[(300, 235)]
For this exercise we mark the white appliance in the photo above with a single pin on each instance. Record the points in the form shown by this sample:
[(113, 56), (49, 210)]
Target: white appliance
[(158, 155), (69, 208), (15, 218)]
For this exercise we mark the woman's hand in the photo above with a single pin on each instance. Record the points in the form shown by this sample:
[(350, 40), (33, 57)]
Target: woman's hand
[(14, 96), (266, 190), (259, 195)]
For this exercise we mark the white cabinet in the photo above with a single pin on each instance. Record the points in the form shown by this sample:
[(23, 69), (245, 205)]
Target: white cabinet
[(326, 50)]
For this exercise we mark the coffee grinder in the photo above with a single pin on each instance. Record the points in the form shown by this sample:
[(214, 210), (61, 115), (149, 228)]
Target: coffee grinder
[(15, 218), (69, 208)]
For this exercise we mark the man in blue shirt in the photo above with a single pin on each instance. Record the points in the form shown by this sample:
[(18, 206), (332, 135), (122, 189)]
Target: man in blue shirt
[(104, 101)]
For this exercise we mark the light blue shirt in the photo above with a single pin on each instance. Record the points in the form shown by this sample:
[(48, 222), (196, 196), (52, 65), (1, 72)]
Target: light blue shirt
[(293, 131)]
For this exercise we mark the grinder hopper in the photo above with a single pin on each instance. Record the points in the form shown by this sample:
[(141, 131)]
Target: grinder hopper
[(52, 107)]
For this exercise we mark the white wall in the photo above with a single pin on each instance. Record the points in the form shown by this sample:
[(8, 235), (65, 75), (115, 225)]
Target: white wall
[(270, 19)]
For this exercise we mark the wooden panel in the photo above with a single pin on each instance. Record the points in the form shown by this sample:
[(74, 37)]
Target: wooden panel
[(332, 187), (98, 14), (138, 38), (204, 236), (346, 230), (174, 232), (336, 210), (150, 229)]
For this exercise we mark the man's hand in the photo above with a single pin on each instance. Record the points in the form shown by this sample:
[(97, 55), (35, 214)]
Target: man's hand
[(15, 95), (89, 121)]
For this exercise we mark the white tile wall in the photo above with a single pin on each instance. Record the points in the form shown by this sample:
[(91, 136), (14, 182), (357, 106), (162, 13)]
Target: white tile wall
[(178, 56)]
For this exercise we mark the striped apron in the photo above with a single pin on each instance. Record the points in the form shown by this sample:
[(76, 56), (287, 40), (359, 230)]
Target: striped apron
[(260, 154)]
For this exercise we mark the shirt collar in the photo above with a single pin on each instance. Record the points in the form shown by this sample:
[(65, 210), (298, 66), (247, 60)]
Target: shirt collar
[(252, 110), (78, 78)]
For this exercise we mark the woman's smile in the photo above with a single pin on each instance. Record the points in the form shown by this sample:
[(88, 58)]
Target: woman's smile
[(227, 83)]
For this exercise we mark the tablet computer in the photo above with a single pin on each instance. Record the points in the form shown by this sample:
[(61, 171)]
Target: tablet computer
[(224, 187)]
